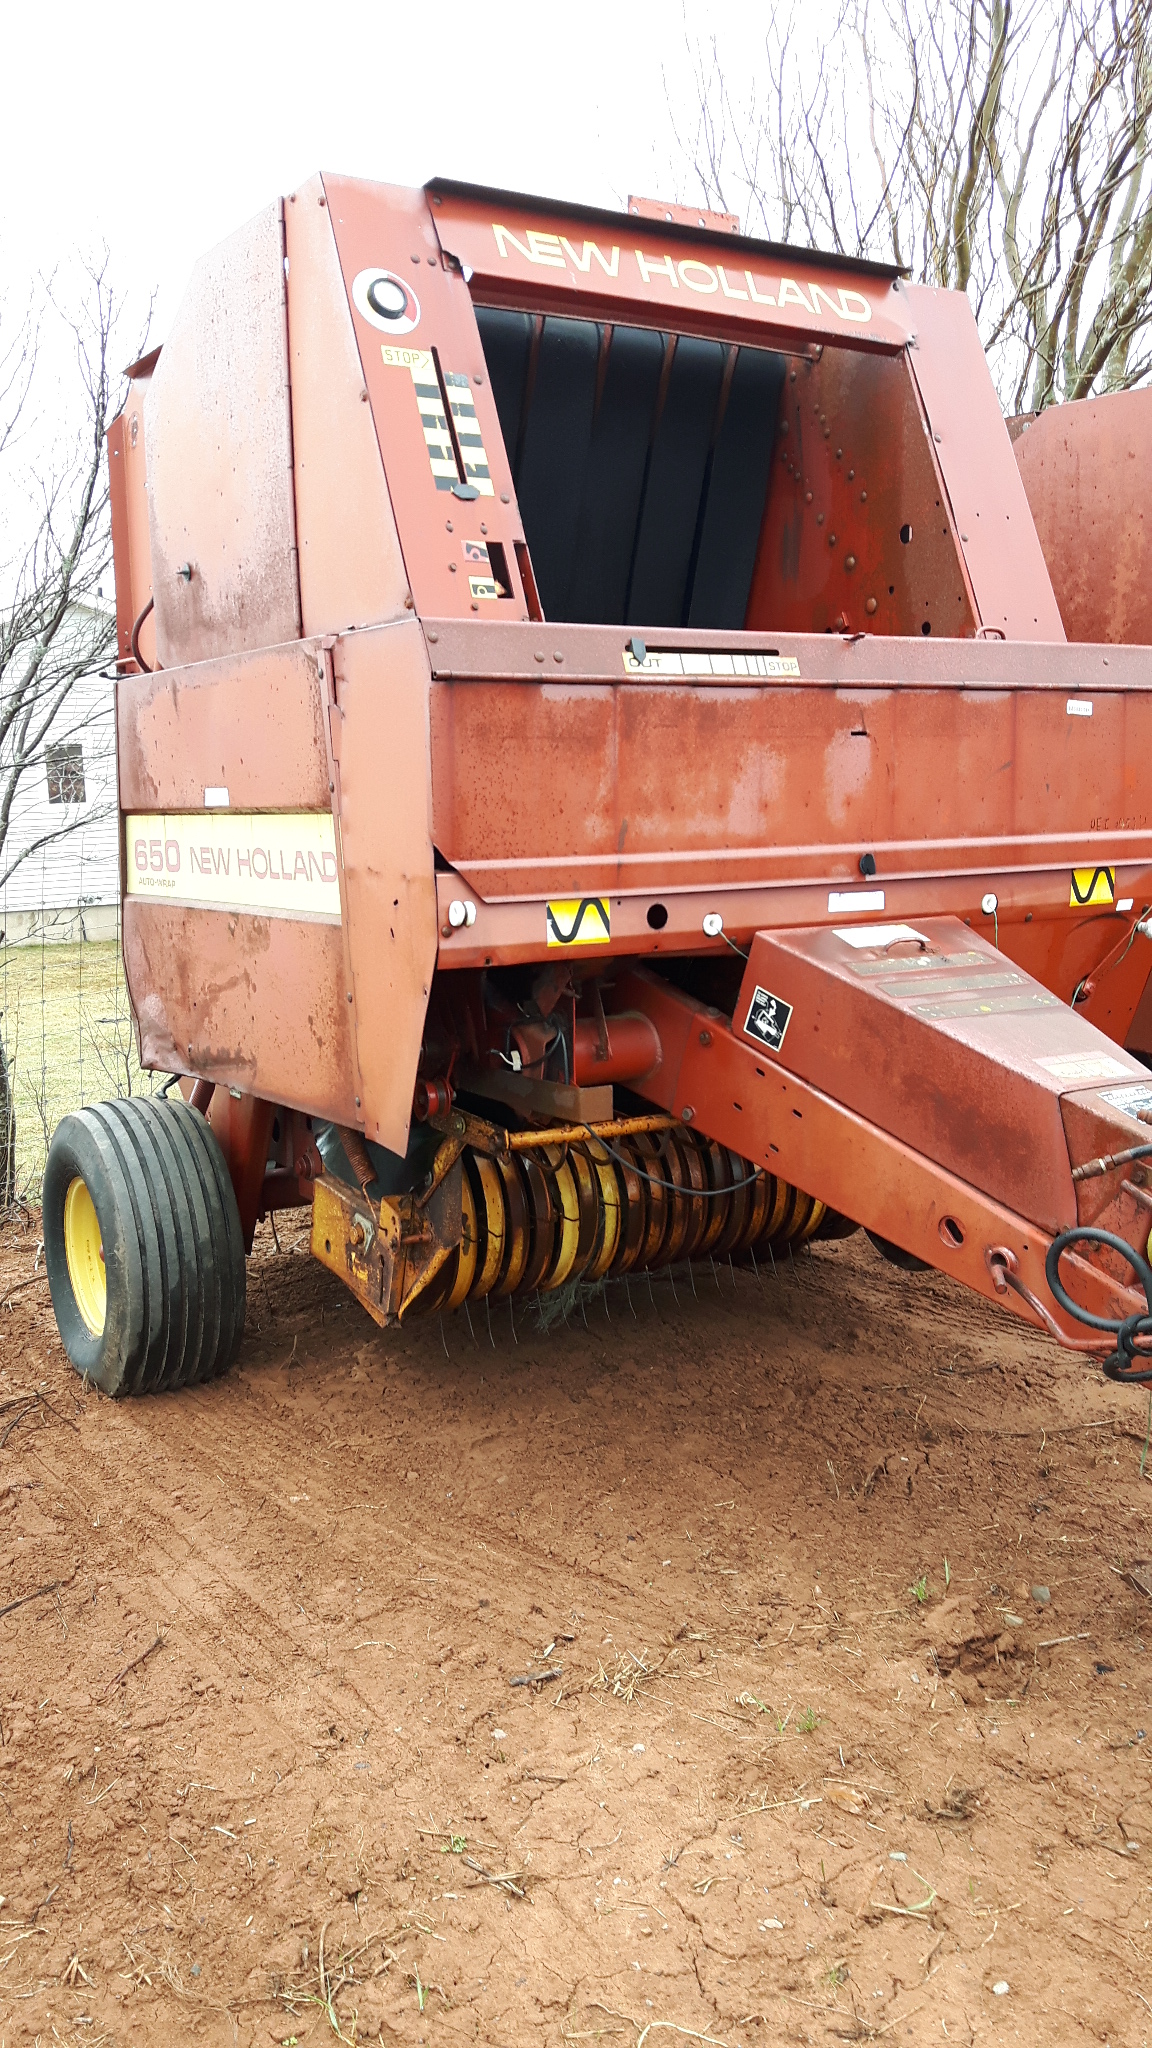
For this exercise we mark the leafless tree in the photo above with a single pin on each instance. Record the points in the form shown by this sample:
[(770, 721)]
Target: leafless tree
[(56, 627), (997, 146)]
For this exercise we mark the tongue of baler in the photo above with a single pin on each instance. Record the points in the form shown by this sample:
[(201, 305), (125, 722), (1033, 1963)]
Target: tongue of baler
[(912, 1077)]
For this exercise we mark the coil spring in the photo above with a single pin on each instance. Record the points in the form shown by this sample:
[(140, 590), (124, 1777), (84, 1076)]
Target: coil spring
[(538, 1220)]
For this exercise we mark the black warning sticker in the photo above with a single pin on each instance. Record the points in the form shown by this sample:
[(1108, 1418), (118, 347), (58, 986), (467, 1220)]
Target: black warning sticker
[(768, 1018)]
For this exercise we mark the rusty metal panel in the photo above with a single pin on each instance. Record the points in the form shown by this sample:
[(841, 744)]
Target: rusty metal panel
[(351, 568), (856, 537), (1033, 926), (664, 786), (730, 1087), (383, 231), (467, 648), (940, 1041), (256, 1003), (1004, 559), (1085, 468), (219, 453), (131, 547), (552, 258), (379, 725), (251, 727), (684, 216)]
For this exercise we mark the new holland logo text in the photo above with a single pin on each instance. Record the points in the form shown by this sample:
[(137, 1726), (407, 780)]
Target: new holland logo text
[(276, 864), (688, 274)]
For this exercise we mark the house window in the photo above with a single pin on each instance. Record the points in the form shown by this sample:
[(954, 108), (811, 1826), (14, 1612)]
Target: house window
[(65, 766)]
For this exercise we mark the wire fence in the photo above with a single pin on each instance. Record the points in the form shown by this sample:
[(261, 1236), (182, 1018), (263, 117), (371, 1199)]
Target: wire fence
[(66, 1035)]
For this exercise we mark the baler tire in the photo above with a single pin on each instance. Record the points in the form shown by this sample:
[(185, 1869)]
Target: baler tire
[(143, 1247), (907, 1262), (227, 1236)]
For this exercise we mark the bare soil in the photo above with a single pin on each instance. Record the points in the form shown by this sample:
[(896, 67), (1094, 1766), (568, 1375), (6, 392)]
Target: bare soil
[(677, 1677)]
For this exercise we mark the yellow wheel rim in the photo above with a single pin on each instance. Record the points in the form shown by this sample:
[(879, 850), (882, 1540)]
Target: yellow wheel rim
[(84, 1252)]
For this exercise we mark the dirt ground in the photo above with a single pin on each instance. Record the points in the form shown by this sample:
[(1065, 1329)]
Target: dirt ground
[(767, 1666)]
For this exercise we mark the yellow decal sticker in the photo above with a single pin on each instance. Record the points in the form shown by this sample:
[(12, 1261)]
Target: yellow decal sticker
[(272, 863), (472, 451), (579, 921), (430, 405), (1092, 885)]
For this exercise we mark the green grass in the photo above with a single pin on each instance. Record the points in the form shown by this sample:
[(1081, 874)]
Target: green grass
[(68, 1040)]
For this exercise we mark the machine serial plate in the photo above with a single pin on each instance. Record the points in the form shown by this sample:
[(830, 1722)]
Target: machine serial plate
[(1130, 1101)]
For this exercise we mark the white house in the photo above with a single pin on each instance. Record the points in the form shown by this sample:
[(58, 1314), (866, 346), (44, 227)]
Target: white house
[(64, 823)]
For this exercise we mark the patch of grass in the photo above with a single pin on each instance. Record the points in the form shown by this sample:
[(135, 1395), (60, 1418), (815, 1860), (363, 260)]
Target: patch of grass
[(808, 1722), (68, 1040), (919, 1588)]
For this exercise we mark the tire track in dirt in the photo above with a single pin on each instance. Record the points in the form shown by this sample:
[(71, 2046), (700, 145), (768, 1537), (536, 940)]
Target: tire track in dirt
[(732, 1439)]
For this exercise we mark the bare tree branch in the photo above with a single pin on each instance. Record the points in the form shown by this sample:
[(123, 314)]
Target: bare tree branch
[(998, 146), (56, 626)]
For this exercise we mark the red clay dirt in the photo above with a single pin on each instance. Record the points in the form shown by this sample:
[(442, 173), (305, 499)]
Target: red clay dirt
[(674, 1678)]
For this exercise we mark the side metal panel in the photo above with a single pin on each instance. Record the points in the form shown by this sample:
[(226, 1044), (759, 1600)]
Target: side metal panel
[(254, 727), (1004, 559), (252, 1002), (351, 568), (131, 548), (380, 750), (943, 1043), (572, 786), (379, 228), (1085, 468), (552, 258), (256, 1003), (854, 536), (219, 444), (729, 1085)]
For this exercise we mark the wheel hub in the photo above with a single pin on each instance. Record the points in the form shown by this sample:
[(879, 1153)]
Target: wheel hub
[(84, 1251)]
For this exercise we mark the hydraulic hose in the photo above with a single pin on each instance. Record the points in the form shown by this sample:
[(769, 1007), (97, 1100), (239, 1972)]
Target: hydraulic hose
[(1127, 1365)]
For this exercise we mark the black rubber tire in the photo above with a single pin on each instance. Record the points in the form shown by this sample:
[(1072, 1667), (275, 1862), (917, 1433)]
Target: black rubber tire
[(172, 1245), (896, 1255)]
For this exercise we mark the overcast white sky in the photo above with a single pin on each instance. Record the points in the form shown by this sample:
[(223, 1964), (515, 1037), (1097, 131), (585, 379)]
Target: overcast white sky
[(156, 130)]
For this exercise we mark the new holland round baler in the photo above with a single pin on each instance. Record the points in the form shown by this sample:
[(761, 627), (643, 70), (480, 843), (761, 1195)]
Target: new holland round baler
[(603, 784)]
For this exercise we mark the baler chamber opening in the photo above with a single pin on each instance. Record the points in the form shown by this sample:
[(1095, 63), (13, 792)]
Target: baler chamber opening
[(671, 479)]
